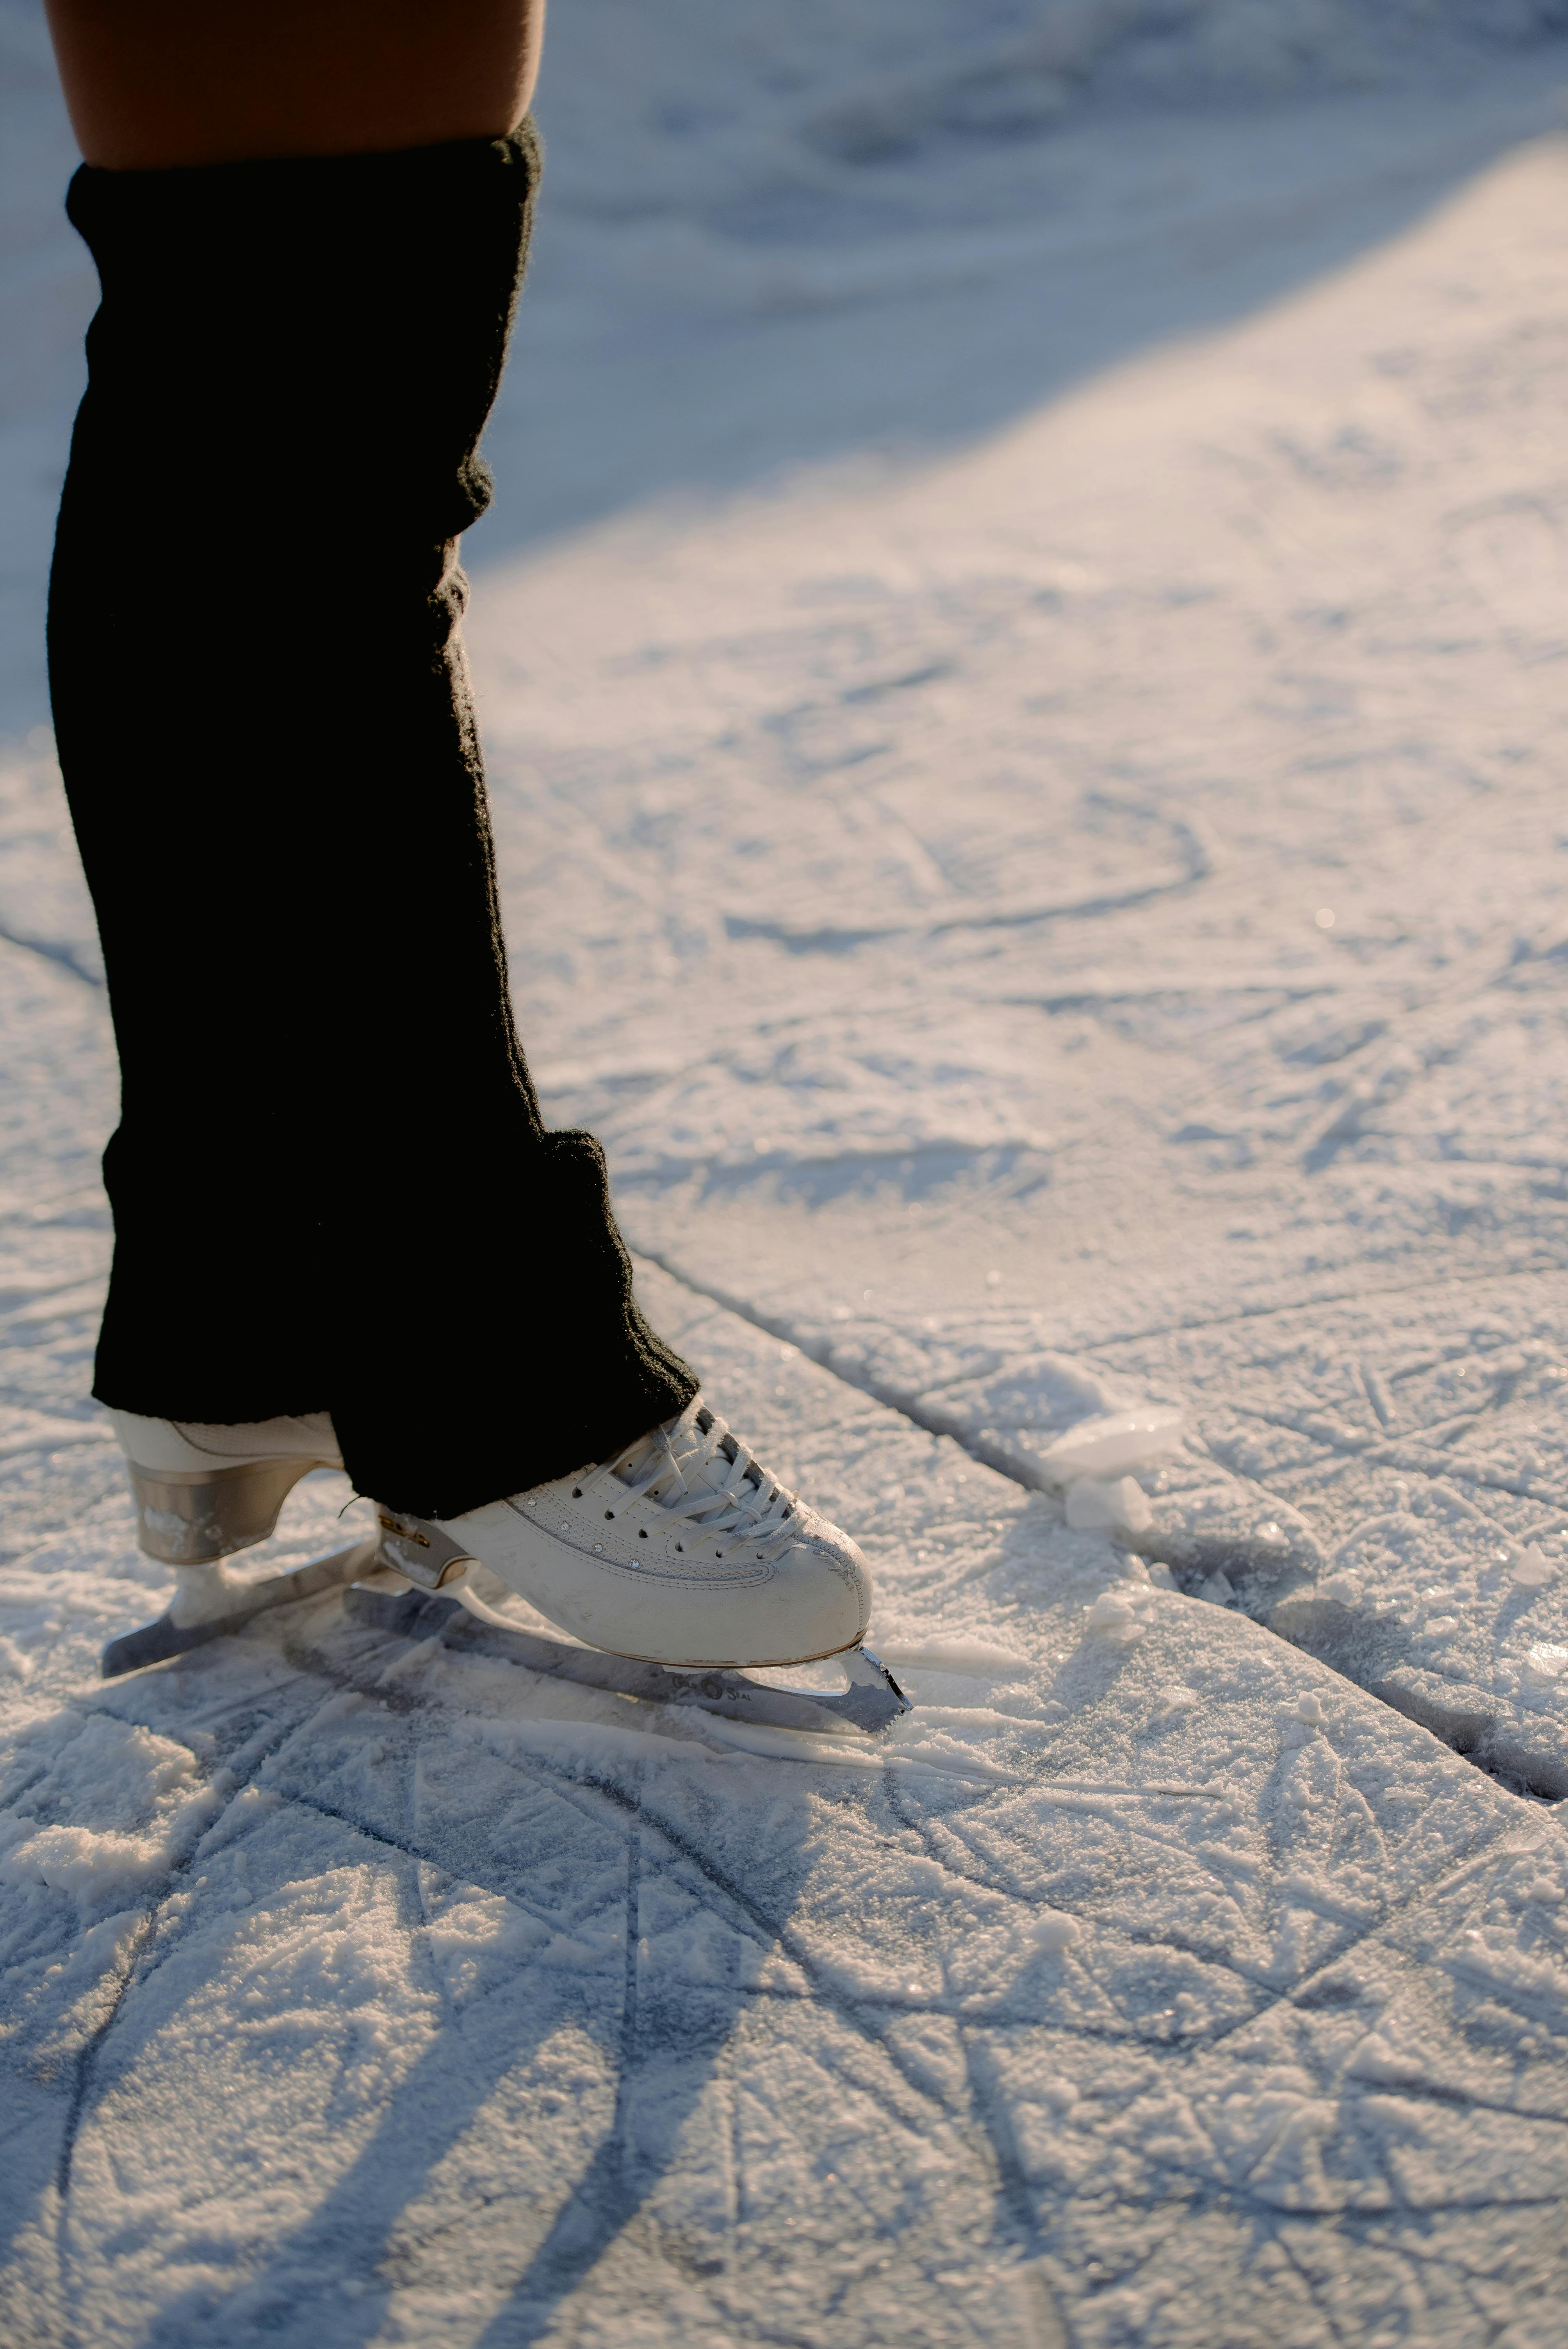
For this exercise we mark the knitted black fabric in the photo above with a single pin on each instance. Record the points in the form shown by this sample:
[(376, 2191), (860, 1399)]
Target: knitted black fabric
[(331, 1184)]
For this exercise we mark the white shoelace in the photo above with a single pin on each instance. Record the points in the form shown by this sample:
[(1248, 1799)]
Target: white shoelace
[(694, 1468)]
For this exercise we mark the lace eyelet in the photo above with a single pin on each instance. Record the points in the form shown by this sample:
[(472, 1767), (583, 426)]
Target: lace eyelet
[(609, 1512)]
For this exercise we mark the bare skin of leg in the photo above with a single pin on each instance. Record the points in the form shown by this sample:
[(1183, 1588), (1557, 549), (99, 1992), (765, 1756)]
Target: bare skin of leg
[(156, 83)]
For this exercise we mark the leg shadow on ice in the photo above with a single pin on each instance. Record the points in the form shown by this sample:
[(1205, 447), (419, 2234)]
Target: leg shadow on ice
[(561, 2093)]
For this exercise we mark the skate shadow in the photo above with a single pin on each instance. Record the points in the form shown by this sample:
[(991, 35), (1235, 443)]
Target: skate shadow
[(459, 2187)]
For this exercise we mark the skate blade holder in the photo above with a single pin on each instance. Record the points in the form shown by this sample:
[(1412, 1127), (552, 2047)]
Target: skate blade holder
[(871, 1703)]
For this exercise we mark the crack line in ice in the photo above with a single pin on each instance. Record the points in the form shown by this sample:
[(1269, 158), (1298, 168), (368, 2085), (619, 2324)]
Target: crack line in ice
[(985, 1456)]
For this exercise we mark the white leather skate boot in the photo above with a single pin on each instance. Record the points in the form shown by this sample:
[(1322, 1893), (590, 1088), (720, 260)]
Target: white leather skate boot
[(680, 1550), (202, 1493)]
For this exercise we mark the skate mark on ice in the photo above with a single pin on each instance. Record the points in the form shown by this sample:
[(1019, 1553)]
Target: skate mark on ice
[(1400, 1452), (358, 2226), (85, 2061), (993, 2126), (133, 1974), (1303, 1995), (1243, 1315), (1029, 2216), (995, 917), (619, 2180), (870, 2018), (63, 957), (607, 2196)]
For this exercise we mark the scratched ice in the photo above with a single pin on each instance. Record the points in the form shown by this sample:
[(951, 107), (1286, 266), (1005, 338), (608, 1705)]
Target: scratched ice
[(987, 559)]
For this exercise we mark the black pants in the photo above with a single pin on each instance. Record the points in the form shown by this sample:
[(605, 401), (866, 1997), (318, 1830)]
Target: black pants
[(332, 1186)]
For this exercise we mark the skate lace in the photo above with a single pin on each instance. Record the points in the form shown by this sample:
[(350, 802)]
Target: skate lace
[(694, 1468)]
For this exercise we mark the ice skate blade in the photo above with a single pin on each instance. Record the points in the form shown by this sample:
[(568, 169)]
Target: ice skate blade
[(156, 1643), (871, 1703)]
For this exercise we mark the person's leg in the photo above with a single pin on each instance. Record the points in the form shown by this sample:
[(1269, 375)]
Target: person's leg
[(332, 1188), (336, 1206), (154, 82)]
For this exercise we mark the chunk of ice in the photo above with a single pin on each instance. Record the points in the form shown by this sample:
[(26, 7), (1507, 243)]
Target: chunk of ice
[(1111, 1445), (1344, 1588), (1114, 1618), (1121, 1506), (1052, 1929), (1219, 1590), (1309, 1708), (1530, 1568)]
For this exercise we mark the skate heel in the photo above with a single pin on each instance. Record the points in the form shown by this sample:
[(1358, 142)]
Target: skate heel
[(192, 1518)]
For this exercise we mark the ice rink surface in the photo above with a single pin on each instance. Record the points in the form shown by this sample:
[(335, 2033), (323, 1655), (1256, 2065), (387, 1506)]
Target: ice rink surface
[(1023, 651)]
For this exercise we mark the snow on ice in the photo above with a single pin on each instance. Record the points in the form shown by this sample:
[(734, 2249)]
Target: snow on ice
[(1021, 650)]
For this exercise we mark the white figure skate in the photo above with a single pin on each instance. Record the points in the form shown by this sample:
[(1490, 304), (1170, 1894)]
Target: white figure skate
[(669, 1567)]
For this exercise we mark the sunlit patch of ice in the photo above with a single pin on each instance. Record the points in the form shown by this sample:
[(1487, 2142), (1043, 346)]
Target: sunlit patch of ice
[(133, 1803)]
